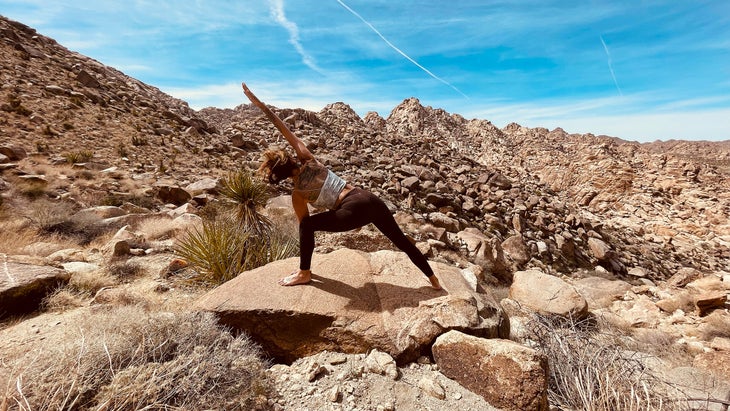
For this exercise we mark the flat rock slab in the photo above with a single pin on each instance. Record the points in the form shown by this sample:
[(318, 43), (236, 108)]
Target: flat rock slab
[(23, 286), (355, 302)]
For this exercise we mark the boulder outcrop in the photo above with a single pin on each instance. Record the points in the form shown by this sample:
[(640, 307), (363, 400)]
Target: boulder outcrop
[(547, 295), (23, 286), (355, 302), (508, 375)]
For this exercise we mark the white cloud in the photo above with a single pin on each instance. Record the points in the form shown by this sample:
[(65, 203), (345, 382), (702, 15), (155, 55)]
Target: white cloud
[(277, 12)]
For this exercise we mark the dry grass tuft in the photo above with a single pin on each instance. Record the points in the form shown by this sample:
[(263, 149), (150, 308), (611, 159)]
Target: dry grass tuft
[(125, 270), (131, 359), (65, 298), (157, 228), (715, 325), (91, 282), (22, 235), (594, 371)]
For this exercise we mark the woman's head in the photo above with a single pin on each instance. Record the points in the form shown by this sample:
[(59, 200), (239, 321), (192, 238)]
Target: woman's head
[(277, 165)]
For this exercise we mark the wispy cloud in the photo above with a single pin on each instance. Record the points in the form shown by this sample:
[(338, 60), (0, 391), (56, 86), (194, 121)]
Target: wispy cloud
[(610, 66), (277, 11), (356, 14)]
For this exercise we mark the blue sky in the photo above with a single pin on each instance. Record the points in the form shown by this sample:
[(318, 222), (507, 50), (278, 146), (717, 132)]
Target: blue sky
[(638, 69)]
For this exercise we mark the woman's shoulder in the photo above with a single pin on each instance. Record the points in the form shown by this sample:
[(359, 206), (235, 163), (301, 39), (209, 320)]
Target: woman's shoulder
[(314, 163)]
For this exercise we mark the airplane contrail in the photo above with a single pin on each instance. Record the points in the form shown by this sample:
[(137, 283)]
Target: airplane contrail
[(399, 50), (277, 11), (610, 66)]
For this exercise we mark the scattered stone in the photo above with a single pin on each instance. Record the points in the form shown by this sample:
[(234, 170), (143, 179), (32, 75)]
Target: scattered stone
[(508, 375), (432, 387), (382, 363), (547, 295), (709, 301)]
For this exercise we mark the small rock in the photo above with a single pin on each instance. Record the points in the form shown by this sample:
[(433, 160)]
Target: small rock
[(334, 394), (709, 301), (315, 370), (431, 387), (378, 362)]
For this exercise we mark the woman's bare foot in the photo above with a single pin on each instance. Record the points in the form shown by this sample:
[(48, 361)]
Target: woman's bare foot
[(435, 282), (296, 278)]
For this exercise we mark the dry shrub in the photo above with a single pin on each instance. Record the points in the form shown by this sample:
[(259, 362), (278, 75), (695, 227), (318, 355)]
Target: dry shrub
[(17, 234), (660, 344), (92, 281), (157, 228), (131, 359), (125, 270), (594, 371), (65, 298), (715, 325), (59, 217)]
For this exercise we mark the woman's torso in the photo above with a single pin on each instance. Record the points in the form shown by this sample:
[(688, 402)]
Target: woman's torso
[(319, 186)]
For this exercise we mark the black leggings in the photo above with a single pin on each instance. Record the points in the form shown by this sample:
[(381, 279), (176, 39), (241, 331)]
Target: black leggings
[(358, 208)]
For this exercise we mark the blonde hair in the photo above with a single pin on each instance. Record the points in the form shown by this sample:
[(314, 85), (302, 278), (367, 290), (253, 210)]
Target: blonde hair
[(277, 165)]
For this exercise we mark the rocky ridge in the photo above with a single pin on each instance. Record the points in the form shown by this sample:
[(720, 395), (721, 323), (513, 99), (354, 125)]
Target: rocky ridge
[(639, 230)]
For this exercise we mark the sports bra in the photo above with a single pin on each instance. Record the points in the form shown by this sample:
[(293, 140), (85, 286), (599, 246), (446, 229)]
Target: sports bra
[(316, 180)]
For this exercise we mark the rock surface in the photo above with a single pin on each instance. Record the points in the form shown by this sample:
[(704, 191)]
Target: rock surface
[(23, 286), (355, 302), (547, 295), (508, 375)]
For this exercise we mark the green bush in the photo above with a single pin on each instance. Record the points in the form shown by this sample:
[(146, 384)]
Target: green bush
[(248, 195), (226, 244), (220, 249), (216, 249)]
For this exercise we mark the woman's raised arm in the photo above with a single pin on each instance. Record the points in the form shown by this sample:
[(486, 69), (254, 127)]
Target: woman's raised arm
[(297, 144)]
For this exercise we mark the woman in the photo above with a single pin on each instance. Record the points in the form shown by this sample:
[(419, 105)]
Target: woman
[(349, 207)]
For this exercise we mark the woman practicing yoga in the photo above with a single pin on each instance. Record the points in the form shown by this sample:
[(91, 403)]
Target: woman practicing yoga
[(348, 207)]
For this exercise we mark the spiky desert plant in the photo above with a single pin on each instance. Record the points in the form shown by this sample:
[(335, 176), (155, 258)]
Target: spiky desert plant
[(248, 195), (216, 248), (220, 249)]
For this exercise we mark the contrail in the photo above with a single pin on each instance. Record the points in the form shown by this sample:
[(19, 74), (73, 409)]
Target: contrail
[(277, 11), (610, 66), (399, 50)]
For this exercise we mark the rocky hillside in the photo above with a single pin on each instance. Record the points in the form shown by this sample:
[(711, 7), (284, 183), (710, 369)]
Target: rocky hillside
[(101, 173), (657, 206)]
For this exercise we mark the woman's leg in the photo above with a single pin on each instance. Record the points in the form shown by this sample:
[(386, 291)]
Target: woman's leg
[(352, 214), (357, 209)]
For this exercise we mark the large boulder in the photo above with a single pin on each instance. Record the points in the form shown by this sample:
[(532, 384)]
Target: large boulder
[(355, 302), (601, 292), (547, 295), (172, 194), (23, 286), (508, 375)]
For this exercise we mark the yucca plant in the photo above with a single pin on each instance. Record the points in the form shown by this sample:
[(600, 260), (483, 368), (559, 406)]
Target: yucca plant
[(249, 195), (216, 248), (229, 243)]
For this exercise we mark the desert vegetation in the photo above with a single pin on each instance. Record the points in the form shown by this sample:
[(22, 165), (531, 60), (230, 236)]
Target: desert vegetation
[(131, 358), (236, 237), (594, 368)]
